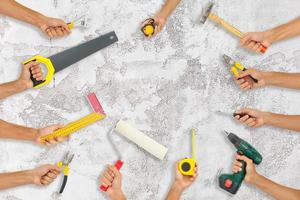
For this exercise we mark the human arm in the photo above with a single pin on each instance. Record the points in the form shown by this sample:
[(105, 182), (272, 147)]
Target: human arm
[(12, 131), (180, 183), (275, 190), (256, 118), (253, 40), (50, 26), (43, 175), (24, 82), (113, 178), (162, 16), (265, 78)]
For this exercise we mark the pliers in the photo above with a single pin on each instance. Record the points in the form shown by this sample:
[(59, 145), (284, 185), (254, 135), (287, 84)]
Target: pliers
[(65, 163), (235, 66)]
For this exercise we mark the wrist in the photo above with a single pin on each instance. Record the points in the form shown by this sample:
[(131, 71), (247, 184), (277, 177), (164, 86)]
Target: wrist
[(254, 179), (178, 187), (20, 85), (270, 36), (28, 176), (267, 117), (40, 20), (267, 77), (116, 195)]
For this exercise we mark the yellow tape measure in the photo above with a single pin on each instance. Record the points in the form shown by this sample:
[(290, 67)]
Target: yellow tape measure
[(75, 126), (187, 165)]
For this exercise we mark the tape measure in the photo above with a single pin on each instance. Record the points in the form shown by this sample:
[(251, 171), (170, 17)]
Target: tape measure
[(149, 28), (74, 126), (187, 165)]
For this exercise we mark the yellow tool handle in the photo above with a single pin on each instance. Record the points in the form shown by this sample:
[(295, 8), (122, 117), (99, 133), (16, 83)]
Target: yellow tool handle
[(66, 170), (234, 71), (50, 70), (75, 126), (226, 25), (193, 144), (71, 25)]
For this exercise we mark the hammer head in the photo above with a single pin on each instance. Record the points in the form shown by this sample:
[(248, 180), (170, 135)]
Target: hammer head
[(206, 12)]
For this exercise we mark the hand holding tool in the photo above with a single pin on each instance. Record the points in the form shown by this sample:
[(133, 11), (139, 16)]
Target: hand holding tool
[(232, 182), (235, 66), (65, 163), (234, 114), (187, 165), (118, 163), (149, 28), (70, 56), (74, 126), (208, 14)]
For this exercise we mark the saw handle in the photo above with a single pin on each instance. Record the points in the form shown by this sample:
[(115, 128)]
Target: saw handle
[(50, 70), (118, 165), (231, 29)]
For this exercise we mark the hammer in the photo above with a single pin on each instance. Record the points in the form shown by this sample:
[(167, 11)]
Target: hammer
[(218, 20)]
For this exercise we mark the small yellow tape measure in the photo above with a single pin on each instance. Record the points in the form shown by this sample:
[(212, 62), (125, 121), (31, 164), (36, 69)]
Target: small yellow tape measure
[(74, 126), (187, 165)]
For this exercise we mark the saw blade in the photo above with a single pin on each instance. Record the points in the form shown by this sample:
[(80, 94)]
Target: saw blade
[(70, 56)]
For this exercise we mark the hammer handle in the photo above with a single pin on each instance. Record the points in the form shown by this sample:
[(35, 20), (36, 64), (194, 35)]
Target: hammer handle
[(230, 28)]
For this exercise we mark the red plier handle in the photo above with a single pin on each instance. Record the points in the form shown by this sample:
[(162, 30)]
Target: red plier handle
[(118, 165)]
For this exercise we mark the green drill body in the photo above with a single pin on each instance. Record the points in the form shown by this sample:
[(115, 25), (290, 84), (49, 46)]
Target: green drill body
[(232, 182)]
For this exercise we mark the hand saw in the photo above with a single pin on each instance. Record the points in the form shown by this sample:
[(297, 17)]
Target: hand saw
[(60, 61)]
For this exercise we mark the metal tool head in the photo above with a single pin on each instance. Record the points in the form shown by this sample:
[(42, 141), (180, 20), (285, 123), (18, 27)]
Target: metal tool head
[(206, 11), (226, 133), (228, 60), (68, 158), (114, 146)]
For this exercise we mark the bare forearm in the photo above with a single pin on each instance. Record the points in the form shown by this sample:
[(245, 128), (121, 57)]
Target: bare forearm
[(285, 31), (168, 8), (117, 196), (175, 192), (12, 131), (291, 122), (14, 179), (275, 190), (14, 9), (281, 79), (11, 88)]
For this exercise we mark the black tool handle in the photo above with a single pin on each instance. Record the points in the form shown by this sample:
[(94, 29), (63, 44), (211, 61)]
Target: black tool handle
[(34, 81), (63, 184), (251, 77), (240, 114)]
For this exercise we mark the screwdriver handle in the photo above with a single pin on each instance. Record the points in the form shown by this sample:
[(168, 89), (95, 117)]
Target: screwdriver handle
[(241, 114), (118, 165)]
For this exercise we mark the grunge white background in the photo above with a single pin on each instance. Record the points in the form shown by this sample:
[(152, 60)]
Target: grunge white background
[(165, 86)]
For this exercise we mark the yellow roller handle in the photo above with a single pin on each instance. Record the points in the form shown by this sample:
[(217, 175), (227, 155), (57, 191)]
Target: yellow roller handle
[(225, 25), (74, 126)]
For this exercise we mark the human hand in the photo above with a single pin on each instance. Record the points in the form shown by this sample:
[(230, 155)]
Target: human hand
[(255, 41), (53, 27), (245, 81), (251, 173), (24, 80), (182, 182), (252, 118), (159, 23), (48, 130), (44, 175), (113, 178)]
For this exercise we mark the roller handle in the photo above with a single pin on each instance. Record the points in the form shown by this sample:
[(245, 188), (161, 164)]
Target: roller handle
[(118, 165)]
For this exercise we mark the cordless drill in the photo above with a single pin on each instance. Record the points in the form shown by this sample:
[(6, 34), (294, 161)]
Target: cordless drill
[(232, 182)]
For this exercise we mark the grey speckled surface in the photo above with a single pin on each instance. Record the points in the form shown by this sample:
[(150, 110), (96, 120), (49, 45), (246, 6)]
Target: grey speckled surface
[(165, 86)]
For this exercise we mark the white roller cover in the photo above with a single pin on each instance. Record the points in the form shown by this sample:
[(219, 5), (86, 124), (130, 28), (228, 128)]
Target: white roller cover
[(141, 139)]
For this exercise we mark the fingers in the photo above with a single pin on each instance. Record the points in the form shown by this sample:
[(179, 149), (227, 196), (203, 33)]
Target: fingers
[(113, 170), (244, 158), (245, 39)]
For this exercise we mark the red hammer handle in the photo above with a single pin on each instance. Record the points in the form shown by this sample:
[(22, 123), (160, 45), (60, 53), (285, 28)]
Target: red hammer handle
[(263, 48), (118, 165)]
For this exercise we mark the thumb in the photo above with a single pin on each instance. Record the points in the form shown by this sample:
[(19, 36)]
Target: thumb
[(56, 127), (248, 111)]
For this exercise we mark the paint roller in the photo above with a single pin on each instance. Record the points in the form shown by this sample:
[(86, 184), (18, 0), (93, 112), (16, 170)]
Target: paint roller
[(139, 138)]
